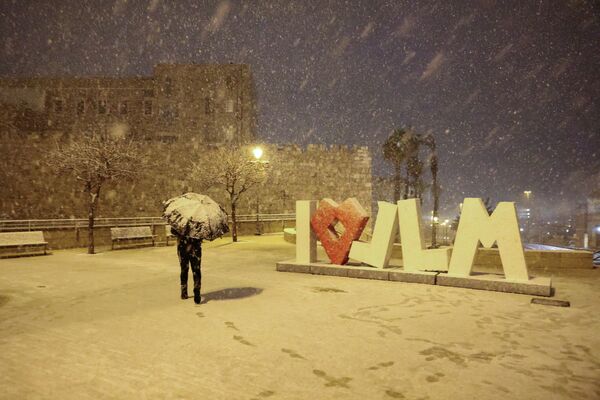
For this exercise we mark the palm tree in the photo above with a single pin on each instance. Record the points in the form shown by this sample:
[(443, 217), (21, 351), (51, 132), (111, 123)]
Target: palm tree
[(395, 151), (403, 146), (429, 141)]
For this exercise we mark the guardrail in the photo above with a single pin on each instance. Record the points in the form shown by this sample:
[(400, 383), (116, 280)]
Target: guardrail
[(77, 223)]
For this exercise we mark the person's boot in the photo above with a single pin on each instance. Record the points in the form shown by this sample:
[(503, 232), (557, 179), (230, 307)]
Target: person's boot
[(184, 294), (197, 296)]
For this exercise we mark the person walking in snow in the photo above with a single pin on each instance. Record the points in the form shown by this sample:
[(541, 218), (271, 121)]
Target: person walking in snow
[(189, 251), (193, 218)]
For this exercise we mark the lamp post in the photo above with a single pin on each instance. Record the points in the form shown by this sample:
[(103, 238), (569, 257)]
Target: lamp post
[(257, 152), (526, 213), (434, 223)]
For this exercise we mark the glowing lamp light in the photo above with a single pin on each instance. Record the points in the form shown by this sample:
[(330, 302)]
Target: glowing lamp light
[(258, 152)]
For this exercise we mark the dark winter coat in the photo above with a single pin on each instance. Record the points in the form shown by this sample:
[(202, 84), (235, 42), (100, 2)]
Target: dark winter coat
[(188, 245)]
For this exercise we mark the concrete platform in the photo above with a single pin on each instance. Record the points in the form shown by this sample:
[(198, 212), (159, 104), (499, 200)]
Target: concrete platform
[(427, 278), (358, 271), (497, 283), (493, 282)]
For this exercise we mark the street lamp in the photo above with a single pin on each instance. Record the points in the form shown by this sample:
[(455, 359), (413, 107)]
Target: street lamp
[(257, 152)]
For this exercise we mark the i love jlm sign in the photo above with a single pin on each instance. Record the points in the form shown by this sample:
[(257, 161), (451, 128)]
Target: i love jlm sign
[(475, 226)]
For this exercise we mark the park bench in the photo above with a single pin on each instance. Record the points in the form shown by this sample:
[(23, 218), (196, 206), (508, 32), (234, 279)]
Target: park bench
[(132, 236), (168, 234), (16, 244)]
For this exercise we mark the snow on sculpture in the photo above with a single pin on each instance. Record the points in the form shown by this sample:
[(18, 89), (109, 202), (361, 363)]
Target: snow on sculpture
[(415, 256), (379, 251), (351, 215), (475, 226), (306, 242)]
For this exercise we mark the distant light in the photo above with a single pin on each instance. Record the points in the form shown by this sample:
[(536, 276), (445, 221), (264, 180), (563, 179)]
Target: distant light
[(598, 229), (258, 152), (521, 229)]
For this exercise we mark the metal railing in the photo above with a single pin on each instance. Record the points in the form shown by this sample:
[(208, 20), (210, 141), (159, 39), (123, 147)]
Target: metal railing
[(8, 225)]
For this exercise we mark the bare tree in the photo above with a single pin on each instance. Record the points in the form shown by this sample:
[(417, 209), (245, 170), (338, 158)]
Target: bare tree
[(94, 161), (232, 169)]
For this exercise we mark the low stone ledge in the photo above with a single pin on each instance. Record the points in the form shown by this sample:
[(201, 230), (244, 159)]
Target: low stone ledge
[(428, 278), (330, 270), (368, 273), (497, 283), (290, 266), (493, 282)]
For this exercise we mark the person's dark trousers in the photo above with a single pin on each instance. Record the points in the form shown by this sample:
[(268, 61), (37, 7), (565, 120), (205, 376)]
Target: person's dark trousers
[(187, 259)]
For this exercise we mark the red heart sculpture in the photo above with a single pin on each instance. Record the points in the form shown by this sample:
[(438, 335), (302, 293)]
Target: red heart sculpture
[(351, 215)]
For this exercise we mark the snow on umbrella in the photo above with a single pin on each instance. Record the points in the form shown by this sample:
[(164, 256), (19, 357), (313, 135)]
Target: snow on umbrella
[(196, 215)]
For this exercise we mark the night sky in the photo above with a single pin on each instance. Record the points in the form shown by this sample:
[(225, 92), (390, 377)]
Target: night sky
[(510, 89)]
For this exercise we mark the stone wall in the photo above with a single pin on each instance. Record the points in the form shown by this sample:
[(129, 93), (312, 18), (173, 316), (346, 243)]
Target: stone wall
[(212, 102), (29, 190), (488, 260)]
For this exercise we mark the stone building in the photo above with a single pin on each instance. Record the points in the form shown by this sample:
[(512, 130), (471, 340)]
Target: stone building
[(211, 103), (587, 222), (180, 109)]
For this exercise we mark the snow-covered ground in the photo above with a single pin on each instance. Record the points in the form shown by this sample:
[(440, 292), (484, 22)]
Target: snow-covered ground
[(111, 325)]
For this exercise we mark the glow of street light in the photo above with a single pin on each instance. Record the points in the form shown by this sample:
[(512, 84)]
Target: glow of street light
[(258, 152)]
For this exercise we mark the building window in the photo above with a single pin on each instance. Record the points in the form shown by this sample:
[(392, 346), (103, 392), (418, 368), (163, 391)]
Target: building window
[(208, 107), (168, 86), (81, 107), (58, 106), (147, 107), (148, 93), (101, 106), (169, 112), (229, 105), (123, 108), (229, 82)]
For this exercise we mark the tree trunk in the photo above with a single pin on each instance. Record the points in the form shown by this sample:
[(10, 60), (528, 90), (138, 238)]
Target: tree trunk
[(436, 200), (406, 183), (233, 222), (94, 194), (397, 182)]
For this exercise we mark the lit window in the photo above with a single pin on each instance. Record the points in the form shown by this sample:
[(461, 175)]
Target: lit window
[(229, 106)]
